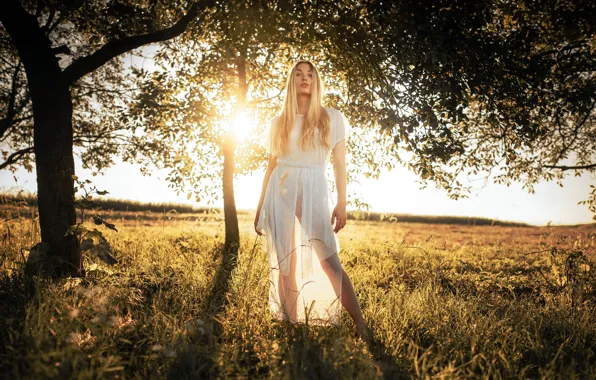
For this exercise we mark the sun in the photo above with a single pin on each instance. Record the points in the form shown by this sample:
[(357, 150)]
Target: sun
[(242, 126)]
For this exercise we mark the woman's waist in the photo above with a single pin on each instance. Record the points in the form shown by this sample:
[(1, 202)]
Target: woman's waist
[(300, 164)]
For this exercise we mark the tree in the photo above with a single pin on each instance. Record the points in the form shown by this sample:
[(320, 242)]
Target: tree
[(210, 89), (500, 89), (238, 64), (41, 30), (99, 100)]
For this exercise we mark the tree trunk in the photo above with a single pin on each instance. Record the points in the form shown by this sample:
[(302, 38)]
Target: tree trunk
[(52, 114), (231, 216), (55, 170)]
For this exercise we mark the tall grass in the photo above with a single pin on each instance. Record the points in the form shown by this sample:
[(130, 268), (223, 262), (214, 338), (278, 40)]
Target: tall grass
[(444, 302)]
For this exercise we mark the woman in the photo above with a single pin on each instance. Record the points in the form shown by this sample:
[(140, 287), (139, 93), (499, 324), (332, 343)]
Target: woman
[(307, 281)]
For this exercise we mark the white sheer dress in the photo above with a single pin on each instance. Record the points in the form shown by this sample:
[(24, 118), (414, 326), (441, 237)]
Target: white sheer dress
[(305, 271)]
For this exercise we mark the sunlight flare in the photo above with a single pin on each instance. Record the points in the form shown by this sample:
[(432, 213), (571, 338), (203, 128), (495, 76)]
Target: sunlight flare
[(242, 126)]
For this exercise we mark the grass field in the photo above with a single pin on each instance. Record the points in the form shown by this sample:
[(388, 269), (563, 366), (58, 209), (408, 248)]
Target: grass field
[(444, 300)]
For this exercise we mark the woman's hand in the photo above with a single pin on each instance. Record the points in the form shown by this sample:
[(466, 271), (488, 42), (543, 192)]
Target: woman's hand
[(339, 216), (260, 233)]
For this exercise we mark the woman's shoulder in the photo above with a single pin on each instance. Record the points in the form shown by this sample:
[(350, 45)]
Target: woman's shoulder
[(334, 114), (332, 111)]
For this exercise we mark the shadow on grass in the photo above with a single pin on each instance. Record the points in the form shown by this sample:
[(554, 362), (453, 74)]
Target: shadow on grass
[(16, 291), (197, 359), (304, 354), (386, 361)]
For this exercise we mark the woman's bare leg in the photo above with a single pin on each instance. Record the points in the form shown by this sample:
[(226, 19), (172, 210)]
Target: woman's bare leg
[(332, 267), (288, 291), (288, 288)]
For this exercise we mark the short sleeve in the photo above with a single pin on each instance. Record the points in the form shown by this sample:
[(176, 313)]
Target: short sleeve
[(341, 128)]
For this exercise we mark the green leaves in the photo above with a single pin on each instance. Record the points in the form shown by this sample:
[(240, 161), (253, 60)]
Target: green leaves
[(87, 244), (92, 241), (96, 244), (99, 221), (488, 86), (110, 226)]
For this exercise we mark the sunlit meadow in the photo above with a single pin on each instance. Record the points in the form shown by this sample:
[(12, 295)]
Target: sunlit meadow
[(444, 300)]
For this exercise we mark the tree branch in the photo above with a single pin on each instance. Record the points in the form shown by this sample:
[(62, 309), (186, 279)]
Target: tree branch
[(62, 49), (114, 48), (55, 24), (255, 102), (39, 9), (576, 130), (7, 122), (563, 167), (49, 20), (16, 156), (51, 28)]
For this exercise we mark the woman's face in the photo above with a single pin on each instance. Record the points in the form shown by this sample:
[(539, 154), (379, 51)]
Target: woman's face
[(303, 76)]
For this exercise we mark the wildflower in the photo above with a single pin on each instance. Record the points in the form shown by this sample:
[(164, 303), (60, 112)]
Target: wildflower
[(74, 312), (157, 347)]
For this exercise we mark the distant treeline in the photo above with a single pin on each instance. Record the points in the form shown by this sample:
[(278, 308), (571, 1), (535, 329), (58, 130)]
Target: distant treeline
[(432, 219), (108, 204)]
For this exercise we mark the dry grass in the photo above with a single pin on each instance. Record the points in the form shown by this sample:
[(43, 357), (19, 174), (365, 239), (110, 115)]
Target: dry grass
[(446, 301)]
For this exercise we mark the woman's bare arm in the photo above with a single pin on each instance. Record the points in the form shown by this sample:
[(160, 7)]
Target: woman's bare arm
[(341, 180), (271, 164)]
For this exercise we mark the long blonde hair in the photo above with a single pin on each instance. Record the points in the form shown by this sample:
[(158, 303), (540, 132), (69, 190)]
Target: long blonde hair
[(316, 117)]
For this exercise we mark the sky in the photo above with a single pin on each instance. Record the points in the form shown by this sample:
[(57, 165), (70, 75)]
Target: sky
[(395, 191)]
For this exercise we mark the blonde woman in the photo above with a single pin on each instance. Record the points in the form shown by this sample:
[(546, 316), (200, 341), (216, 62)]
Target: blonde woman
[(296, 215)]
